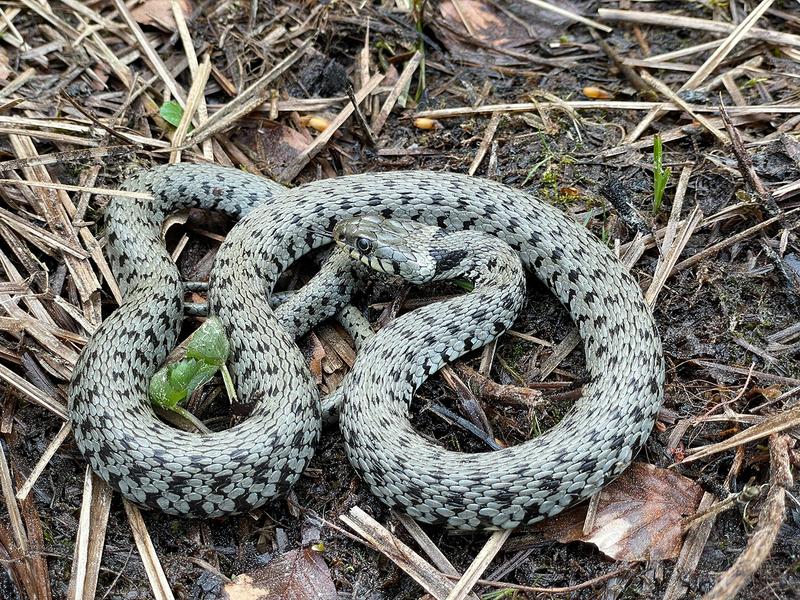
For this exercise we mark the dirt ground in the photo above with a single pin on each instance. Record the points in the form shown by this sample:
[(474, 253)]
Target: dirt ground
[(83, 103)]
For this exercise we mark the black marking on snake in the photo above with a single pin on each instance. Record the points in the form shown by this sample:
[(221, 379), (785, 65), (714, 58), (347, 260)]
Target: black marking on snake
[(447, 260)]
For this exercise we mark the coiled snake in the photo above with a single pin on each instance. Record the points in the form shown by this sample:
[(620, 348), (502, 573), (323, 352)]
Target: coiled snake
[(243, 467)]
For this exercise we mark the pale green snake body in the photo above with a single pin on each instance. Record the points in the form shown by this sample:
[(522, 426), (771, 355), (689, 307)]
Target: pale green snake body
[(243, 467)]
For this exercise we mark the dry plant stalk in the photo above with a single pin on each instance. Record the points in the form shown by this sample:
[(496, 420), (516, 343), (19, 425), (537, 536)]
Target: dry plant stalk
[(404, 557), (770, 520)]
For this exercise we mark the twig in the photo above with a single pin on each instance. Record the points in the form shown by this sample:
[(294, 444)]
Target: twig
[(431, 549), (14, 516), (713, 61), (749, 174), (359, 115), (54, 445), (737, 71), (567, 345), (191, 57), (399, 87), (65, 157), (705, 513), (569, 14), (32, 393), (630, 74), (77, 188), (662, 65), (404, 557), (490, 549), (675, 212), (664, 90), (690, 554), (665, 265), (769, 523), (111, 131), (150, 54), (152, 566), (504, 394), (523, 107), (730, 241), (680, 22), (771, 425), (554, 590), (90, 539), (194, 100), (245, 102), (488, 136), (760, 375), (467, 402)]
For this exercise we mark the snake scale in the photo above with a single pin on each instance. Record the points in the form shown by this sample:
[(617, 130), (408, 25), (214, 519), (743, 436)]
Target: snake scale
[(206, 475)]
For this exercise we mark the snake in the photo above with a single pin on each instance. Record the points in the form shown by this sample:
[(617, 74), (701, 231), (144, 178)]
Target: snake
[(241, 468)]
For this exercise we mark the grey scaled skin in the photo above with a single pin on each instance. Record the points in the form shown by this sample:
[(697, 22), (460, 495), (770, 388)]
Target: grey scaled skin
[(241, 468)]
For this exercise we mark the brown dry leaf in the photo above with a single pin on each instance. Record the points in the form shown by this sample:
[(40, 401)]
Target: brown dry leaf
[(471, 23), (317, 354), (770, 393), (298, 574), (158, 13), (639, 516), (276, 145), (481, 21)]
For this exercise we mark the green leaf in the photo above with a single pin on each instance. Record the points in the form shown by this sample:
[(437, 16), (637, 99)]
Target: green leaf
[(206, 352), (162, 393), (171, 112), (176, 382), (189, 374), (209, 343), (464, 284)]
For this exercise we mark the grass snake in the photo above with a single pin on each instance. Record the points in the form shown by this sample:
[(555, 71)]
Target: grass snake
[(206, 475)]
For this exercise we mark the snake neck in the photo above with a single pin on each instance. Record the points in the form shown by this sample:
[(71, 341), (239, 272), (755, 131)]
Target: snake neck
[(488, 262), (423, 341)]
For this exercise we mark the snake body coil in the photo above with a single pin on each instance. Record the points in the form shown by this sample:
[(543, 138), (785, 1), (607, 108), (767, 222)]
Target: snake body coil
[(243, 467)]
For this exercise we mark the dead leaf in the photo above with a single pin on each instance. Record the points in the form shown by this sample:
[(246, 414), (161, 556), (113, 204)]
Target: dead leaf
[(297, 574), (482, 22), (639, 516), (276, 145), (471, 25), (317, 354), (770, 393), (158, 13)]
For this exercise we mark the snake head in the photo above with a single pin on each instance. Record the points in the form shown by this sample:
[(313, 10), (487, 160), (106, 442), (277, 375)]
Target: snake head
[(391, 246)]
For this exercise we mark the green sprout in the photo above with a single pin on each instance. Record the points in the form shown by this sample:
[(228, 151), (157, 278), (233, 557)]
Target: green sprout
[(206, 353), (418, 12), (660, 174)]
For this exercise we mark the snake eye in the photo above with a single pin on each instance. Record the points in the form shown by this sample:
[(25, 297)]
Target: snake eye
[(363, 245)]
